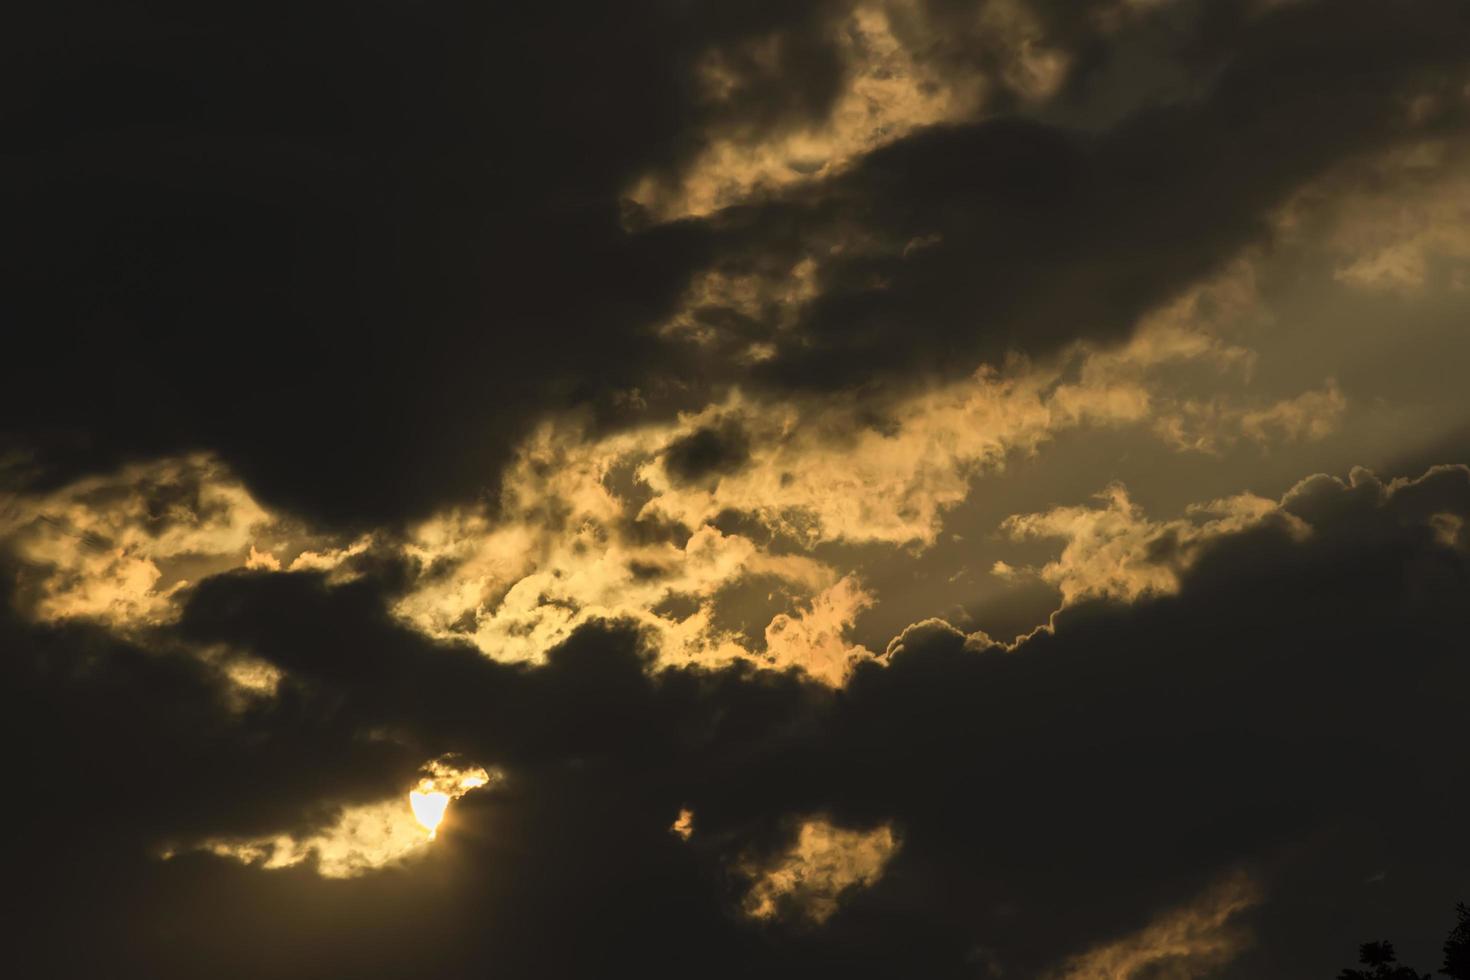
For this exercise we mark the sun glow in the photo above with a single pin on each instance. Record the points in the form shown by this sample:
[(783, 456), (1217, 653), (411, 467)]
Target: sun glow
[(444, 782), (365, 836), (428, 809)]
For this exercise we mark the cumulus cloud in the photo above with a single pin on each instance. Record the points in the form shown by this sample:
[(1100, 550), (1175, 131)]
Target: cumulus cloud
[(813, 638), (117, 548), (1071, 796), (565, 550), (860, 471), (656, 523), (1116, 551), (808, 880), (98, 548), (663, 523)]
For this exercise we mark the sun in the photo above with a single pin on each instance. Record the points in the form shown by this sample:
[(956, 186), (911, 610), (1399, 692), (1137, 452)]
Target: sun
[(428, 809), (444, 780)]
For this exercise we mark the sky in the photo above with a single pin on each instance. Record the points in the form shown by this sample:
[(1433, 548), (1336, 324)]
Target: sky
[(849, 488)]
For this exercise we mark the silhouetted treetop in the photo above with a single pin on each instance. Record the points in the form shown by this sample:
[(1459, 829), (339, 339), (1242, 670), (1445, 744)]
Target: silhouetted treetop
[(1457, 946), (1385, 966)]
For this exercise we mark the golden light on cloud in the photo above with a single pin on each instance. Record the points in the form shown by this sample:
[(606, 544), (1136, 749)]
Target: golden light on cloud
[(524, 583), (109, 548), (1116, 551), (122, 548), (1192, 941), (366, 837), (557, 552), (890, 89), (824, 864), (922, 449)]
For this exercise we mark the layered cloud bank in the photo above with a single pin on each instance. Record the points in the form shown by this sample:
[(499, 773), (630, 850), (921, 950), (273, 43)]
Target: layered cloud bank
[(1098, 776), (864, 488)]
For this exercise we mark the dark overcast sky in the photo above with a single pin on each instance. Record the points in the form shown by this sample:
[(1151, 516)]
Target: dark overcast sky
[(851, 488)]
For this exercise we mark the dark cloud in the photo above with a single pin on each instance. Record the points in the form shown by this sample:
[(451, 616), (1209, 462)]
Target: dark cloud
[(354, 256), (330, 247), (964, 242), (1294, 711), (706, 452), (330, 244)]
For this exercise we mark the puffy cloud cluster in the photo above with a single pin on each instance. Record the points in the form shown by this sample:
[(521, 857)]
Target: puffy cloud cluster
[(1115, 551), (666, 524), (565, 549), (117, 548), (101, 548), (824, 862), (1064, 804)]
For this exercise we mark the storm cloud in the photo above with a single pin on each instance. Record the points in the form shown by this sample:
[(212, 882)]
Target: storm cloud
[(869, 488)]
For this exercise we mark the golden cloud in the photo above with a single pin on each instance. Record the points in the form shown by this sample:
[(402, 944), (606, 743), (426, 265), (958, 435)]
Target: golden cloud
[(890, 88), (363, 838), (1115, 551), (606, 528), (117, 548), (104, 547), (1188, 942), (809, 880)]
